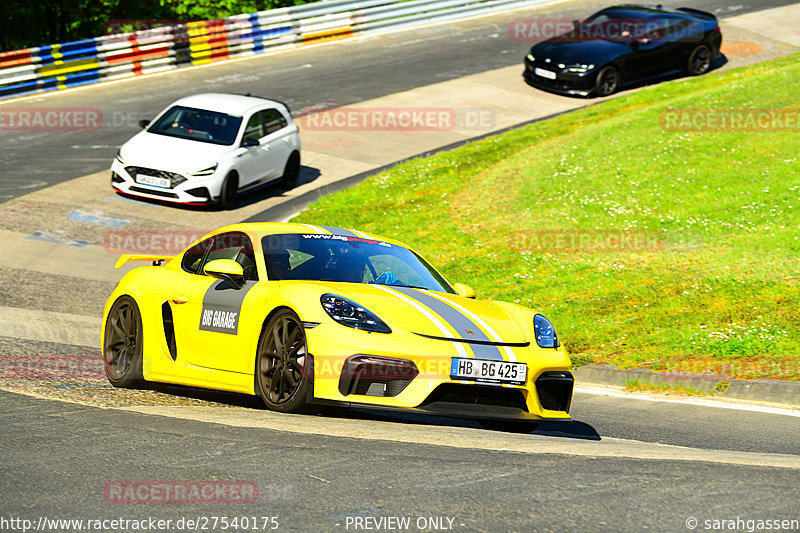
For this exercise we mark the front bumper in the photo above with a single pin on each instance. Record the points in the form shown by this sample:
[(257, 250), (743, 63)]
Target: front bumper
[(566, 83), (404, 381), (191, 191)]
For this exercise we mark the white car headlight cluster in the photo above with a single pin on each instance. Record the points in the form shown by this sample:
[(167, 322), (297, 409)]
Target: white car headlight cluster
[(545, 333), (206, 171), (579, 68), (348, 313)]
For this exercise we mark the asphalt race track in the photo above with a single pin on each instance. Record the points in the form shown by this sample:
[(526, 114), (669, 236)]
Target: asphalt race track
[(628, 462), (58, 458)]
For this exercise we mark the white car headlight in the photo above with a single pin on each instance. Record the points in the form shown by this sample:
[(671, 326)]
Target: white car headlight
[(348, 313), (206, 171), (579, 68), (545, 333), (119, 157)]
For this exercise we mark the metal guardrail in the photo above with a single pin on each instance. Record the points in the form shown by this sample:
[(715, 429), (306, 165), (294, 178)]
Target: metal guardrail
[(60, 66)]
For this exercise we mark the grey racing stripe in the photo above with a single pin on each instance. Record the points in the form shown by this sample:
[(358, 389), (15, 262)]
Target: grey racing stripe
[(457, 320), (340, 231), (222, 305)]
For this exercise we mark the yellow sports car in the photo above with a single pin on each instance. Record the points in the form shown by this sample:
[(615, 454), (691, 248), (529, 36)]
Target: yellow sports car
[(302, 315)]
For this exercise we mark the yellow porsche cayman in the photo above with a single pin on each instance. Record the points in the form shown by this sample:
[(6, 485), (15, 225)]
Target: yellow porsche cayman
[(302, 315)]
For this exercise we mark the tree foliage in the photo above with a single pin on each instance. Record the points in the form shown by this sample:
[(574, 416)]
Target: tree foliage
[(24, 24)]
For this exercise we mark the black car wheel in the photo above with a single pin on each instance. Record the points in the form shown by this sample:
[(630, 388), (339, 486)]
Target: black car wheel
[(607, 81), (292, 171), (229, 191), (699, 60), (509, 426), (122, 344), (281, 377)]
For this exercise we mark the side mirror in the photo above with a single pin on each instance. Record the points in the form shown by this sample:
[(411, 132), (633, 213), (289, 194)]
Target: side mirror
[(464, 290), (144, 123), (249, 142), (226, 269)]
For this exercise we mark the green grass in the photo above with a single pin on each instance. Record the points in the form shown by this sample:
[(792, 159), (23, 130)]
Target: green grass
[(643, 386), (647, 248)]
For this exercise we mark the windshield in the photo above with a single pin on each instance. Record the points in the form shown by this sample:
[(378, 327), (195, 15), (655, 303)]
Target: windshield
[(197, 125), (347, 259)]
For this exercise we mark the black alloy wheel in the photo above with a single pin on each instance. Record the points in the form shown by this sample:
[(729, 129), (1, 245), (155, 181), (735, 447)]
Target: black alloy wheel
[(281, 364)]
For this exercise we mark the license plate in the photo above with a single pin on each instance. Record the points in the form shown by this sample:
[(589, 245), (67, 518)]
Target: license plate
[(152, 180), (488, 371), (544, 73)]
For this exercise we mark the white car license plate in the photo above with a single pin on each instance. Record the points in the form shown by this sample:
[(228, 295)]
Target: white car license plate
[(488, 371), (544, 73), (152, 180)]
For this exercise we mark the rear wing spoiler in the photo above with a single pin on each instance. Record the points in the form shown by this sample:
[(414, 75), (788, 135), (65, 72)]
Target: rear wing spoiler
[(156, 259), (698, 13)]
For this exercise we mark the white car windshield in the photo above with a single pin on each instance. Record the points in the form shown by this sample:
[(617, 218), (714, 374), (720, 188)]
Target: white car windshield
[(198, 125), (347, 259)]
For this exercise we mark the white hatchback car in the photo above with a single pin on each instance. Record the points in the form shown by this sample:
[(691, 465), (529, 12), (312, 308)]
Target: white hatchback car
[(207, 148)]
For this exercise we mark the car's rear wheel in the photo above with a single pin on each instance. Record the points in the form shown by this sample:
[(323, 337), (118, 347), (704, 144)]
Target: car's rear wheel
[(292, 171), (229, 191), (699, 60), (122, 344), (281, 360), (509, 426), (607, 81)]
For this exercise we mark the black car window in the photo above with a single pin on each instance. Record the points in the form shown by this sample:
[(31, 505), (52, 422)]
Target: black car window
[(254, 128), (193, 257), (197, 125), (273, 121), (237, 246), (347, 259)]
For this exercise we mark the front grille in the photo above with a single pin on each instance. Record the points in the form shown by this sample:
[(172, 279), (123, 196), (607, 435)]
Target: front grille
[(175, 179), (370, 375), (154, 192), (200, 192), (477, 395), (555, 390)]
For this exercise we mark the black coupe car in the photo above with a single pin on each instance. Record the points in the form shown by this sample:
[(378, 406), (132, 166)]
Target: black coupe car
[(624, 44)]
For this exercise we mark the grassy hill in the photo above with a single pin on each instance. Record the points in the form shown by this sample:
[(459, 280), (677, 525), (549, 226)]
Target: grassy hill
[(672, 250)]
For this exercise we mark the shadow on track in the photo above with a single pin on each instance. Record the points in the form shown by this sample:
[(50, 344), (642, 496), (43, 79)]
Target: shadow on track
[(575, 430)]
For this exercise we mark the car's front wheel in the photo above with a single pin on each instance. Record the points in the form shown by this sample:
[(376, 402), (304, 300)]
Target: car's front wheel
[(699, 60), (292, 171), (281, 362), (229, 191), (607, 81), (122, 344)]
